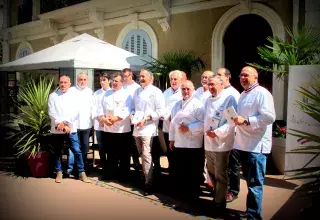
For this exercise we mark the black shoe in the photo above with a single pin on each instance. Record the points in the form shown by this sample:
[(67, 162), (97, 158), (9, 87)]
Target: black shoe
[(147, 190), (243, 215)]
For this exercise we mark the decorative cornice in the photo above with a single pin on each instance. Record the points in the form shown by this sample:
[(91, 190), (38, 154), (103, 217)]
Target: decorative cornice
[(246, 5), (164, 23), (100, 33), (162, 7), (96, 17), (134, 18)]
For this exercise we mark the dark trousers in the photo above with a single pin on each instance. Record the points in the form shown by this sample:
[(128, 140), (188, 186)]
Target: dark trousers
[(102, 154), (169, 151), (187, 166), (117, 147), (156, 154), (234, 172)]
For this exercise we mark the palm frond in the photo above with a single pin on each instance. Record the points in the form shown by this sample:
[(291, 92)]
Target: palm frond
[(33, 117)]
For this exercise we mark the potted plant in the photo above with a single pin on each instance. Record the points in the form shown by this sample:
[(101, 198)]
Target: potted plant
[(278, 149), (310, 172), (32, 140)]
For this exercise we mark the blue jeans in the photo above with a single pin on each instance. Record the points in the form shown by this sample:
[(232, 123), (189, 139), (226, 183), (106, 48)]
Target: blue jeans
[(254, 170), (83, 136), (73, 143)]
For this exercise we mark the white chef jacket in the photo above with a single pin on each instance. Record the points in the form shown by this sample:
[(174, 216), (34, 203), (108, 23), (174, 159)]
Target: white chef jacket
[(258, 106), (131, 88), (148, 101), (215, 120), (171, 98), (85, 97), (117, 103), (96, 104), (230, 90), (194, 110), (202, 95), (63, 107)]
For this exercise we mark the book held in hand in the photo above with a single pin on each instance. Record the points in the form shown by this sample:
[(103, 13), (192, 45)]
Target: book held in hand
[(230, 113)]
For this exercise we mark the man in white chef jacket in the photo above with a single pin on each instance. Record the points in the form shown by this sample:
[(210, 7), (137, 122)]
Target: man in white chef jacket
[(97, 123), (218, 139), (202, 93), (233, 165), (115, 114), (85, 94), (171, 95), (253, 137), (130, 85), (186, 141), (148, 103), (63, 108)]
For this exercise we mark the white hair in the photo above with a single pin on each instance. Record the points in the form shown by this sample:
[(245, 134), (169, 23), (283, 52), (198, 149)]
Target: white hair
[(178, 72)]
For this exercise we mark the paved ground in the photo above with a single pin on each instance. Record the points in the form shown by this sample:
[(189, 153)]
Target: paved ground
[(31, 198)]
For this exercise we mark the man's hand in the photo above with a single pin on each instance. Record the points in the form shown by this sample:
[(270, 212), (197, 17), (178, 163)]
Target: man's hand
[(171, 145), (114, 119), (106, 121), (60, 126), (239, 120), (211, 133), (141, 123), (67, 129), (183, 128)]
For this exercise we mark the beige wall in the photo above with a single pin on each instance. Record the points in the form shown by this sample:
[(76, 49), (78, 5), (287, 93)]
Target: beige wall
[(188, 31)]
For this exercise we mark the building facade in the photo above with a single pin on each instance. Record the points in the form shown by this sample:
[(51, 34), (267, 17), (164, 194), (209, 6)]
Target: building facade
[(222, 32)]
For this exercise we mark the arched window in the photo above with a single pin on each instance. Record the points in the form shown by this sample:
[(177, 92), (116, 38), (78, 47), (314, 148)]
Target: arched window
[(138, 42), (139, 39), (24, 49)]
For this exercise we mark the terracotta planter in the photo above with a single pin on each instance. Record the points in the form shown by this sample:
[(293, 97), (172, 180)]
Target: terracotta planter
[(39, 165), (278, 153)]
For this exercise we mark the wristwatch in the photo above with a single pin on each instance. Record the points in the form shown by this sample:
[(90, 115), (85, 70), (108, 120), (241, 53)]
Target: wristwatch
[(246, 122)]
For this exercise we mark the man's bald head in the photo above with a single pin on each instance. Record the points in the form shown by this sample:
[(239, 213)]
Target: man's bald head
[(184, 76), (64, 83), (187, 89), (248, 76)]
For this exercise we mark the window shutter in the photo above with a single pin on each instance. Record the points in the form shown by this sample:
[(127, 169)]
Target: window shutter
[(138, 42)]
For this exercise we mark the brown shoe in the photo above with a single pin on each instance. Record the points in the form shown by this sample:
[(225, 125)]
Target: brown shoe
[(59, 177), (83, 177)]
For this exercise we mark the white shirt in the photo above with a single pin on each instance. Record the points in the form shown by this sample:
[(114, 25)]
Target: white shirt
[(215, 120), (131, 87), (96, 103), (85, 97), (63, 107), (148, 101), (194, 111), (117, 103), (230, 90), (258, 106), (171, 97), (202, 95)]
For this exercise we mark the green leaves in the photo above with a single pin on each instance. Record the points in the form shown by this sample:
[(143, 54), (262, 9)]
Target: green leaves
[(303, 48), (310, 106), (179, 60), (34, 118)]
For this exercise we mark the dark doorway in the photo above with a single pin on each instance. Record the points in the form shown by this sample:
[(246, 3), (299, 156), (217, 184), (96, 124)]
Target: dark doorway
[(243, 36)]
